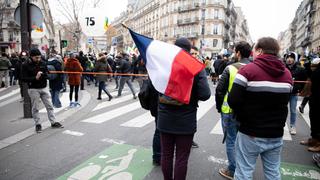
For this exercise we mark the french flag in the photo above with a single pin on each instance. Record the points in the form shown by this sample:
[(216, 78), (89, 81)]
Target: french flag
[(170, 68)]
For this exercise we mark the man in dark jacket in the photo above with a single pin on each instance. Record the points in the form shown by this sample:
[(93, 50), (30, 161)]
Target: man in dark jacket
[(125, 68), (259, 98), (35, 72), (229, 124), (55, 84), (298, 74), (83, 61), (177, 124)]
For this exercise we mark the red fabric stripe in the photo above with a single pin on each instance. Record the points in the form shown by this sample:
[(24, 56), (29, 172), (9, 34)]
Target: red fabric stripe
[(184, 68)]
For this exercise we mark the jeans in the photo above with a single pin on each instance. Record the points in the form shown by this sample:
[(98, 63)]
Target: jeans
[(247, 151), (230, 128), (293, 109), (123, 80), (102, 86), (156, 147), (55, 98), (178, 146), (43, 94)]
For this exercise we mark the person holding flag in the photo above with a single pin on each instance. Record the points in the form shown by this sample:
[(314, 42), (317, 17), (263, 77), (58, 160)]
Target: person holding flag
[(181, 81)]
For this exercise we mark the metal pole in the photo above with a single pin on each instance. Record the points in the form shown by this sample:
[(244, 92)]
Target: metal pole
[(25, 43), (60, 43)]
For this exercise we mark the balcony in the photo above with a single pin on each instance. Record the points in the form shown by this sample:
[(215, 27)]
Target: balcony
[(191, 35), (188, 21), (190, 7)]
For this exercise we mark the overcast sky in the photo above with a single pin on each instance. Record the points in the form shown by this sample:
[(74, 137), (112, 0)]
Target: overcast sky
[(265, 17)]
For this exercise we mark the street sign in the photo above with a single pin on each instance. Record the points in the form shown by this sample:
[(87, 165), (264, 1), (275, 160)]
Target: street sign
[(93, 23)]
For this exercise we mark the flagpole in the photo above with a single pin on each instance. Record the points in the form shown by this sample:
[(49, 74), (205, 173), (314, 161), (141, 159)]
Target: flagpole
[(124, 26)]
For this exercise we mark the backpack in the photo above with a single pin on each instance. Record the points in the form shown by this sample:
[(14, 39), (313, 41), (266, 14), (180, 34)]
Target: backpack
[(51, 67), (144, 95)]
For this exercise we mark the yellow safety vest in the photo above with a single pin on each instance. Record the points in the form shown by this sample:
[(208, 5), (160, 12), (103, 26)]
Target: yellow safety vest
[(232, 75)]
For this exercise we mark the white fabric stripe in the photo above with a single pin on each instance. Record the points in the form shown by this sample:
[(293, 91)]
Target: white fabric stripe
[(269, 84), (139, 121), (160, 57), (241, 78), (101, 118)]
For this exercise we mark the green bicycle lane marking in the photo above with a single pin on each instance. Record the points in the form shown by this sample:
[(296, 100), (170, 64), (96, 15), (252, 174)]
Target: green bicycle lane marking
[(120, 161), (291, 171)]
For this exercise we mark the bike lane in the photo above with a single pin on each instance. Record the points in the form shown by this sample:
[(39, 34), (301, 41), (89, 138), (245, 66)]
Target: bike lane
[(120, 161)]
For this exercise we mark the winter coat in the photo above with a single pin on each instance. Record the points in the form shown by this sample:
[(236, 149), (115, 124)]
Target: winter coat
[(223, 85), (182, 119), (259, 97), (102, 66), (4, 63), (298, 73), (29, 72), (74, 65), (56, 84), (125, 66)]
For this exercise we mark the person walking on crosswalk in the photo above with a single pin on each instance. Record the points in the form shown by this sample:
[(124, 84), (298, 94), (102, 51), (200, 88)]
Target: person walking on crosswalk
[(35, 73), (102, 66)]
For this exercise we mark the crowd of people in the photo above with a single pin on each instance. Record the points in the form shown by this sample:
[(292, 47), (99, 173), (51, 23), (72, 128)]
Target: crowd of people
[(243, 79)]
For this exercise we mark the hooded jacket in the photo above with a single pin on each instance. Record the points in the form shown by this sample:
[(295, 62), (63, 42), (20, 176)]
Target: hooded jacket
[(73, 65), (260, 96)]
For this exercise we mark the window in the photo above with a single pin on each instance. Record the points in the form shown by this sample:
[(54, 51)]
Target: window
[(10, 36), (215, 29), (216, 13), (215, 42), (1, 35)]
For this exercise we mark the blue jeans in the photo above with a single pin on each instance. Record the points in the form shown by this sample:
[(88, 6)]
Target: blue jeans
[(230, 128), (102, 87), (55, 98), (247, 151), (293, 109)]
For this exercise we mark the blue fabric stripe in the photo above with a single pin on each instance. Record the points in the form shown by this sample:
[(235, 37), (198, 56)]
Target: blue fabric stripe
[(142, 42)]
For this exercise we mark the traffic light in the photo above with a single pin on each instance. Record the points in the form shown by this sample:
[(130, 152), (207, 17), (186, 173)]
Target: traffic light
[(64, 43)]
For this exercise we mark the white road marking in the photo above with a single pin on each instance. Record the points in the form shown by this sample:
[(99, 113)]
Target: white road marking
[(139, 121), (218, 130), (204, 107), (113, 102), (218, 160), (2, 89), (101, 118), (73, 133), (9, 101), (16, 91), (113, 141)]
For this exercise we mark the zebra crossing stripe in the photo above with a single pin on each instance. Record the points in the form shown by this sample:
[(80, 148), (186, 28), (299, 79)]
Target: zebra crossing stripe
[(204, 107), (16, 91), (218, 130), (104, 117), (113, 102), (139, 121), (4, 103), (2, 89)]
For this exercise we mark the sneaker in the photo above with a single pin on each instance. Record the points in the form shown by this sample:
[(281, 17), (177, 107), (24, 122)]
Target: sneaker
[(134, 97), (21, 100), (76, 104), (71, 105), (194, 145), (57, 125), (301, 110), (226, 173), (314, 148), (38, 128), (310, 142), (110, 98), (293, 131), (99, 98)]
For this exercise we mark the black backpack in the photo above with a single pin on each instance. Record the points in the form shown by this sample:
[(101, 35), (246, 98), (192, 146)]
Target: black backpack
[(144, 95)]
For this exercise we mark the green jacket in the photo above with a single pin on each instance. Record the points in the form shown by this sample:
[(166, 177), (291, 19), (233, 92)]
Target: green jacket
[(4, 63)]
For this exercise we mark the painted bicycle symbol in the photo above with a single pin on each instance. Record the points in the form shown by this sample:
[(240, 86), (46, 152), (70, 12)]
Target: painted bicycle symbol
[(110, 172)]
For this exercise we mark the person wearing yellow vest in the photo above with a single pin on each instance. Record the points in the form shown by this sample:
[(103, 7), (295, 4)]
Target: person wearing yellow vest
[(229, 124)]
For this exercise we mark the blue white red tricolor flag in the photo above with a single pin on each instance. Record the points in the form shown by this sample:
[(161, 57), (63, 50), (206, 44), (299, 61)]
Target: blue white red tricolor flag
[(170, 68)]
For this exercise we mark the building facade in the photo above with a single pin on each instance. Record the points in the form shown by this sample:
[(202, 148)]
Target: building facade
[(209, 24)]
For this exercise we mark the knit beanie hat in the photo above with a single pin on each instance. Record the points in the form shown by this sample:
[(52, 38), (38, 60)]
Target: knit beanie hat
[(34, 52), (183, 43)]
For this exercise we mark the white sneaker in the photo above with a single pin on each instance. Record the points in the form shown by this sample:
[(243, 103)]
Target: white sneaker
[(293, 131)]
